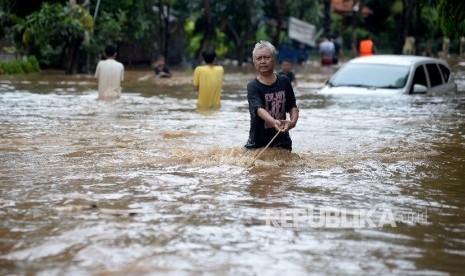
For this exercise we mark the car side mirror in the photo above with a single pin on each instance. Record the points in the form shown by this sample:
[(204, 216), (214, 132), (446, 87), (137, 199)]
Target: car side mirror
[(419, 89)]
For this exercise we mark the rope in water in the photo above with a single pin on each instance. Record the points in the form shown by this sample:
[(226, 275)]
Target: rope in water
[(258, 155)]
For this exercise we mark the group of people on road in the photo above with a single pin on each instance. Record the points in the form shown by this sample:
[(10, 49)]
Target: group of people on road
[(270, 95), (330, 49)]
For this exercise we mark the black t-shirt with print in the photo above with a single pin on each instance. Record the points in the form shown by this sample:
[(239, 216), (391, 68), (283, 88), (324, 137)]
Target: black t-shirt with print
[(278, 99)]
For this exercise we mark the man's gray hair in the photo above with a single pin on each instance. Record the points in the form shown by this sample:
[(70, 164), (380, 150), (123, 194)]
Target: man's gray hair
[(263, 44)]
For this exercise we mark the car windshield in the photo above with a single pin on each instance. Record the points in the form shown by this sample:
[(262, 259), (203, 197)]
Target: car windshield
[(371, 75)]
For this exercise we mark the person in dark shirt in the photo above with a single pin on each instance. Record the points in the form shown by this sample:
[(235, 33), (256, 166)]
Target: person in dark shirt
[(286, 69), (338, 53), (270, 97), (161, 70)]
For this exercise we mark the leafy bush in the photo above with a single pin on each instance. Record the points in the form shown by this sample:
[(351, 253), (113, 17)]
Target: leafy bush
[(34, 63), (20, 66)]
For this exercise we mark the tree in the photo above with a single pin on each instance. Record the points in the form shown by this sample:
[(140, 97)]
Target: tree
[(355, 11), (209, 27), (306, 10), (327, 16), (200, 25), (54, 34), (108, 30), (407, 11), (229, 34), (239, 26), (140, 29), (451, 16), (164, 12), (281, 8)]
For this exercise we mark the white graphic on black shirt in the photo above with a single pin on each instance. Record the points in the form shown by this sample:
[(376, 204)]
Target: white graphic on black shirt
[(275, 105)]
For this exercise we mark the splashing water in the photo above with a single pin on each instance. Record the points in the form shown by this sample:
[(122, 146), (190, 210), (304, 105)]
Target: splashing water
[(147, 184)]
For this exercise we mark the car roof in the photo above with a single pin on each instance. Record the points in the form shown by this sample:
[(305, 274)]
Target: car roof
[(403, 60)]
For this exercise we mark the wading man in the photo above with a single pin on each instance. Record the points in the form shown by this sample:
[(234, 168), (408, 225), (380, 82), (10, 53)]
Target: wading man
[(208, 80), (109, 74), (161, 70), (270, 97)]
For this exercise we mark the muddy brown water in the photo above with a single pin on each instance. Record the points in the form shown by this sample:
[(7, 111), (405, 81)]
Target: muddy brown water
[(147, 185)]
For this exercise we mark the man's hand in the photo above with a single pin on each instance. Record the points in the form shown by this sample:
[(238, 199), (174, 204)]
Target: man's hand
[(286, 125), (278, 125)]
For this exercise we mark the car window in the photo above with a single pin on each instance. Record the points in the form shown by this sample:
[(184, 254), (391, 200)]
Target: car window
[(419, 77), (434, 74), (371, 75), (445, 72)]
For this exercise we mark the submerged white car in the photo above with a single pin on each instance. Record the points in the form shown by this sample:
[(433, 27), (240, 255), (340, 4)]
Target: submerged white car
[(392, 74)]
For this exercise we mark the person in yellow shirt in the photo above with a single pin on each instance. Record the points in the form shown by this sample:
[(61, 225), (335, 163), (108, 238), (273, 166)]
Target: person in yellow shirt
[(208, 80)]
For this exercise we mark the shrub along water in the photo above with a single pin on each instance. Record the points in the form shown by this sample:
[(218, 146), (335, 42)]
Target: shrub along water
[(20, 66)]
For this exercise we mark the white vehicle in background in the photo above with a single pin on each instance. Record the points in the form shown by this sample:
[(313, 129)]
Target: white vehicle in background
[(392, 74)]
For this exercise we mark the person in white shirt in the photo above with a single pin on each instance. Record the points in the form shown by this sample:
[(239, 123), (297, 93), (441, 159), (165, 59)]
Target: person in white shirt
[(109, 75), (327, 51)]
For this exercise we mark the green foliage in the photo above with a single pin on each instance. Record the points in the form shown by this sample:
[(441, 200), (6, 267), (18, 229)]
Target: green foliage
[(46, 33), (451, 17), (20, 66), (123, 21), (32, 60), (235, 26), (429, 19), (193, 39), (397, 7), (221, 44), (4, 22), (142, 21), (261, 33), (336, 23), (307, 10), (108, 31), (359, 34), (7, 26)]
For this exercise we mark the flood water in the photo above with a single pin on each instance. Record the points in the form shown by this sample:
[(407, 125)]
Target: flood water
[(147, 185)]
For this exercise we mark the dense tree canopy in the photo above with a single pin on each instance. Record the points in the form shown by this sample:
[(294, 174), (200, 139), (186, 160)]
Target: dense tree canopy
[(71, 34), (451, 17)]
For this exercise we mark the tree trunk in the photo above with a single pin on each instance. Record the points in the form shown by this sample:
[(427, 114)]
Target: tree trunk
[(327, 17), (208, 35), (248, 32), (281, 9), (167, 33), (161, 43), (417, 30), (404, 25), (354, 26), (70, 56), (87, 38), (237, 39)]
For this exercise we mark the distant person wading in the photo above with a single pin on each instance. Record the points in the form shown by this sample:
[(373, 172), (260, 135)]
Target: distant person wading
[(109, 74), (160, 69), (208, 81), (367, 47)]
